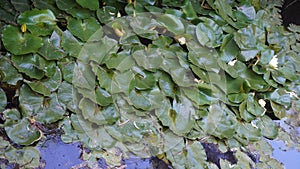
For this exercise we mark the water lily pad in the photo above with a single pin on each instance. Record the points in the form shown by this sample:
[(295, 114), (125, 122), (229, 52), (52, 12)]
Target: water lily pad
[(38, 87), (31, 65), (74, 9), (43, 109), (70, 44), (97, 114), (268, 127), (8, 73), (21, 131), (90, 4), (149, 59), (51, 52), (83, 29), (3, 100), (29, 157), (209, 33), (38, 22), (18, 43), (97, 51), (220, 121), (172, 23)]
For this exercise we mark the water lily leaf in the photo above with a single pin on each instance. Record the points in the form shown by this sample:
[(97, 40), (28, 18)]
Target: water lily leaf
[(83, 76), (97, 114), (189, 11), (244, 113), (139, 100), (31, 65), (278, 110), (93, 136), (254, 81), (67, 68), (248, 38), (39, 22), (229, 49), (51, 52), (143, 79), (18, 43), (29, 157), (38, 87), (148, 59), (83, 29), (174, 144), (195, 155), (21, 5), (54, 81), (122, 61), (220, 121), (121, 82), (172, 23), (3, 100), (106, 14), (66, 95), (97, 51), (70, 44), (8, 73), (90, 4), (280, 96), (72, 8), (209, 33), (268, 127), (203, 57), (130, 132), (23, 132), (249, 132), (182, 116), (254, 107), (43, 109), (166, 85), (103, 97), (182, 76)]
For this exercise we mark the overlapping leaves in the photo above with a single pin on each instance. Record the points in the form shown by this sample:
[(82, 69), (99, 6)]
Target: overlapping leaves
[(188, 81)]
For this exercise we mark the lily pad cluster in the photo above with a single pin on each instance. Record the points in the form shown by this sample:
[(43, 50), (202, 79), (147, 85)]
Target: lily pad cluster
[(149, 78)]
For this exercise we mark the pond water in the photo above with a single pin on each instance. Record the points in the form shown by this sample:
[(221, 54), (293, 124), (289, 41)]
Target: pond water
[(288, 156)]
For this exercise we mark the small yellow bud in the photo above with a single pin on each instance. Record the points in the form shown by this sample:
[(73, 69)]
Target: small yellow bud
[(24, 28)]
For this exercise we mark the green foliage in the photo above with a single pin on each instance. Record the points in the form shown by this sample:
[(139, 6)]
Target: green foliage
[(157, 81)]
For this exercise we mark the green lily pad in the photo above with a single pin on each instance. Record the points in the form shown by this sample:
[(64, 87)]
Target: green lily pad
[(268, 127), (195, 155), (149, 59), (90, 4), (38, 87), (97, 114), (74, 9), (20, 131), (18, 43), (70, 44), (28, 157), (31, 65), (3, 100), (8, 73), (122, 61), (51, 52), (97, 51), (209, 33), (220, 122), (43, 109), (38, 22), (172, 23), (83, 29), (66, 95)]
